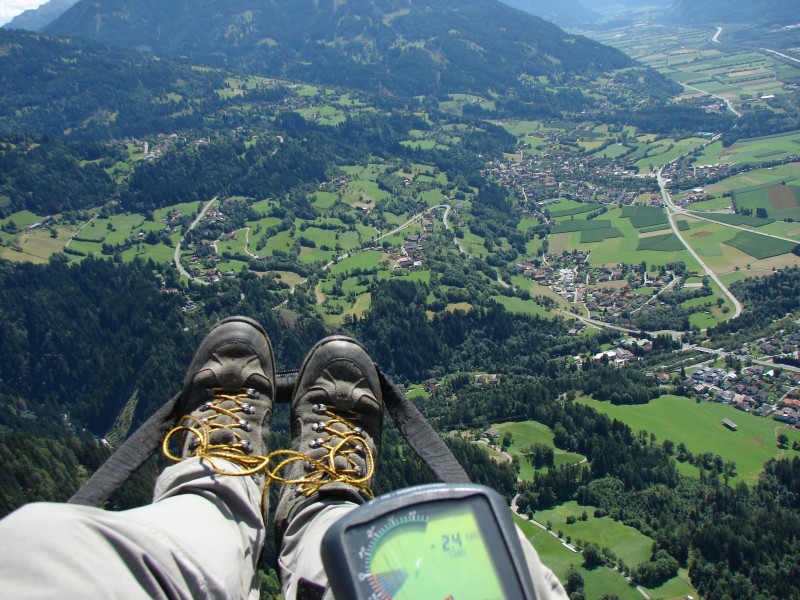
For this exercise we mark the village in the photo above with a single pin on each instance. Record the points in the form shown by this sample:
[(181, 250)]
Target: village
[(769, 387), (557, 173)]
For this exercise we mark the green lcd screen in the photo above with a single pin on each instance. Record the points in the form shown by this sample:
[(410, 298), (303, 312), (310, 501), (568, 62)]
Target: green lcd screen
[(437, 552)]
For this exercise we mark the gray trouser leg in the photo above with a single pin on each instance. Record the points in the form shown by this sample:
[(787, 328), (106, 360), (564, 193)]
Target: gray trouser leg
[(201, 537), (300, 557)]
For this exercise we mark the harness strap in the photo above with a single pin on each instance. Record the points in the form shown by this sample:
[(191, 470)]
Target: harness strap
[(126, 459), (146, 441)]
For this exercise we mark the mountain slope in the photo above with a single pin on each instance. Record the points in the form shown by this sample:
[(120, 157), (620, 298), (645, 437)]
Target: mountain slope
[(55, 86), (406, 47), (36, 18)]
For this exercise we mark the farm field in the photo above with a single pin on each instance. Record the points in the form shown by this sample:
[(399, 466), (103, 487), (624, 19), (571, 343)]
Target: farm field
[(753, 150), (623, 249), (699, 427), (711, 242)]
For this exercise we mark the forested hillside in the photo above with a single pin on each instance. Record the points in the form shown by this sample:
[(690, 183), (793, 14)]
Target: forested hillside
[(405, 47), (469, 191), (57, 86)]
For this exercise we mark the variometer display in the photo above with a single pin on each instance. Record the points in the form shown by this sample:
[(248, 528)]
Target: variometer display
[(442, 542)]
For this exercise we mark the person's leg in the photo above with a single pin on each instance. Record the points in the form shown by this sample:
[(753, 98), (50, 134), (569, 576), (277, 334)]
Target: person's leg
[(181, 546), (203, 534), (337, 415)]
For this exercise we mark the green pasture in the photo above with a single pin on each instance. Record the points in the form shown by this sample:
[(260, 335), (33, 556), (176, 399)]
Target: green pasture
[(282, 241), (754, 150), (783, 229), (702, 320), (263, 206), (534, 144), (627, 543), (755, 179), (709, 240), (310, 256), (324, 115), (231, 265), (580, 225), (668, 242), (22, 219), (289, 278), (92, 233), (521, 128), (584, 207), (368, 189), (614, 151), (158, 252), (597, 582), (523, 283), (760, 246), (184, 208), (419, 275), (598, 235), (322, 237), (645, 216), (365, 261), (433, 197), (736, 219), (473, 244), (525, 307), (699, 427), (88, 248), (325, 200), (527, 223), (524, 435), (780, 201)]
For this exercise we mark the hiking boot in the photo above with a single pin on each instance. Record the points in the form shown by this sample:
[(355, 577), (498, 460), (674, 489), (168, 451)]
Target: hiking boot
[(336, 416), (227, 399)]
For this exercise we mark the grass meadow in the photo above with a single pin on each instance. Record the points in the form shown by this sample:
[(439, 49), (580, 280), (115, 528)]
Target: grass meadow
[(699, 427), (526, 433)]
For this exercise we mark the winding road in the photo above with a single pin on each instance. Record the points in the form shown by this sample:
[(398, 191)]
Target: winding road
[(176, 257), (674, 210)]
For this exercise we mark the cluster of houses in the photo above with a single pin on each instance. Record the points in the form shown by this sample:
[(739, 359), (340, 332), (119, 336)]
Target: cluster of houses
[(412, 253), (553, 173), (783, 343), (682, 171), (757, 389), (617, 356), (162, 143)]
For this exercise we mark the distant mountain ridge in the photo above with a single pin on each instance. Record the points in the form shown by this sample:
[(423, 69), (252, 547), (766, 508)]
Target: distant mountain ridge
[(564, 13), (717, 12), (37, 18), (405, 47)]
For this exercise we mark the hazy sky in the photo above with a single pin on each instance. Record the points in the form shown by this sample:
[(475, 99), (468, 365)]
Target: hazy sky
[(11, 8)]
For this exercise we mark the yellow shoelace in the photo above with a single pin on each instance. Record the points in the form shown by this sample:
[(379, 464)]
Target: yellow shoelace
[(319, 472)]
